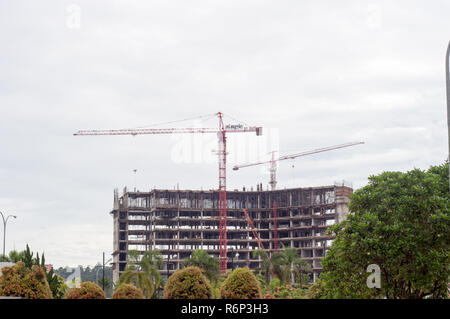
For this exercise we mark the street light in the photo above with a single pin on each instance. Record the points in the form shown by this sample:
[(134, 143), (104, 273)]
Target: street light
[(447, 80), (5, 220)]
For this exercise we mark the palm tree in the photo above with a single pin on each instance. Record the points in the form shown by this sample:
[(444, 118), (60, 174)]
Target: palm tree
[(302, 267), (285, 265), (209, 264), (281, 266), (266, 268), (293, 264), (292, 257), (143, 272)]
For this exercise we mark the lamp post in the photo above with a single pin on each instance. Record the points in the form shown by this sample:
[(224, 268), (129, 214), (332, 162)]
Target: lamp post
[(5, 220), (447, 80)]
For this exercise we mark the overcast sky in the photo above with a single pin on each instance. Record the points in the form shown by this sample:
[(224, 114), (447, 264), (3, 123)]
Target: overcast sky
[(311, 73)]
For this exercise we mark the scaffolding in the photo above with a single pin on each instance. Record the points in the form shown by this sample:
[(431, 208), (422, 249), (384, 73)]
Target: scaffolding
[(176, 222)]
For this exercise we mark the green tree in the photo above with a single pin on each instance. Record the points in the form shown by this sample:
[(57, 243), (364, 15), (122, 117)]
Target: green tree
[(297, 267), (16, 256), (28, 257), (188, 283), (143, 272), (286, 265), (241, 284), (127, 291), (400, 222), (266, 266), (281, 266), (209, 264), (108, 284), (57, 286), (87, 290)]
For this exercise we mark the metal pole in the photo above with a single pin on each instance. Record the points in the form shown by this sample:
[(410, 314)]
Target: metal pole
[(447, 80), (4, 234), (4, 229), (103, 281)]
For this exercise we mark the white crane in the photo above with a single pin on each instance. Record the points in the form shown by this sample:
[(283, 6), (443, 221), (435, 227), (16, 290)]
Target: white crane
[(273, 167)]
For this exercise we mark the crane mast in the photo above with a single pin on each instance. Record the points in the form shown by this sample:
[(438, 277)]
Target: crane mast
[(222, 195)]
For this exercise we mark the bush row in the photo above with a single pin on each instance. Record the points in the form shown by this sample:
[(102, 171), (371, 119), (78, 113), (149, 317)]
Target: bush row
[(186, 283)]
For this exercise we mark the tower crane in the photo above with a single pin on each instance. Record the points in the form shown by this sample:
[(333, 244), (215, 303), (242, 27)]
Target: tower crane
[(273, 179), (221, 132)]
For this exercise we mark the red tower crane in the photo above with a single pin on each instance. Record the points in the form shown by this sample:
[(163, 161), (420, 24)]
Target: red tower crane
[(273, 179), (221, 132)]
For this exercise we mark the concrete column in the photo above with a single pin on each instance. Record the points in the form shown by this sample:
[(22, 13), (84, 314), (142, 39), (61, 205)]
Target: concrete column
[(342, 198)]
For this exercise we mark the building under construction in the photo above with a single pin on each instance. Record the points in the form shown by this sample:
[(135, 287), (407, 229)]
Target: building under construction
[(176, 222)]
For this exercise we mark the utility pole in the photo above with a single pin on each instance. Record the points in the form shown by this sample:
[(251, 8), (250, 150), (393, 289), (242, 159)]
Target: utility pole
[(447, 80)]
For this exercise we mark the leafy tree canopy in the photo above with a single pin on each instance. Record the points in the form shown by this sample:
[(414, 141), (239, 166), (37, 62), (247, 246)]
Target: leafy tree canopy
[(400, 222)]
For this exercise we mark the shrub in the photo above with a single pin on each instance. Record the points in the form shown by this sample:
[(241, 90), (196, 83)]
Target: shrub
[(286, 292), (20, 281), (241, 284), (87, 290), (128, 291), (274, 284), (188, 283)]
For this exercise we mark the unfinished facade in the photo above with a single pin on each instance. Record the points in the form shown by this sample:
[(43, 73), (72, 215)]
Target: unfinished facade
[(176, 222)]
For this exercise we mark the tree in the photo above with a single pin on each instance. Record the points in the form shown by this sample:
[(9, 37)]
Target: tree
[(266, 267), (59, 289), (21, 281), (87, 290), (128, 291), (56, 284), (400, 222), (281, 266), (286, 265), (16, 256), (188, 283), (301, 270), (106, 283), (143, 273), (28, 257), (209, 264), (241, 284)]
